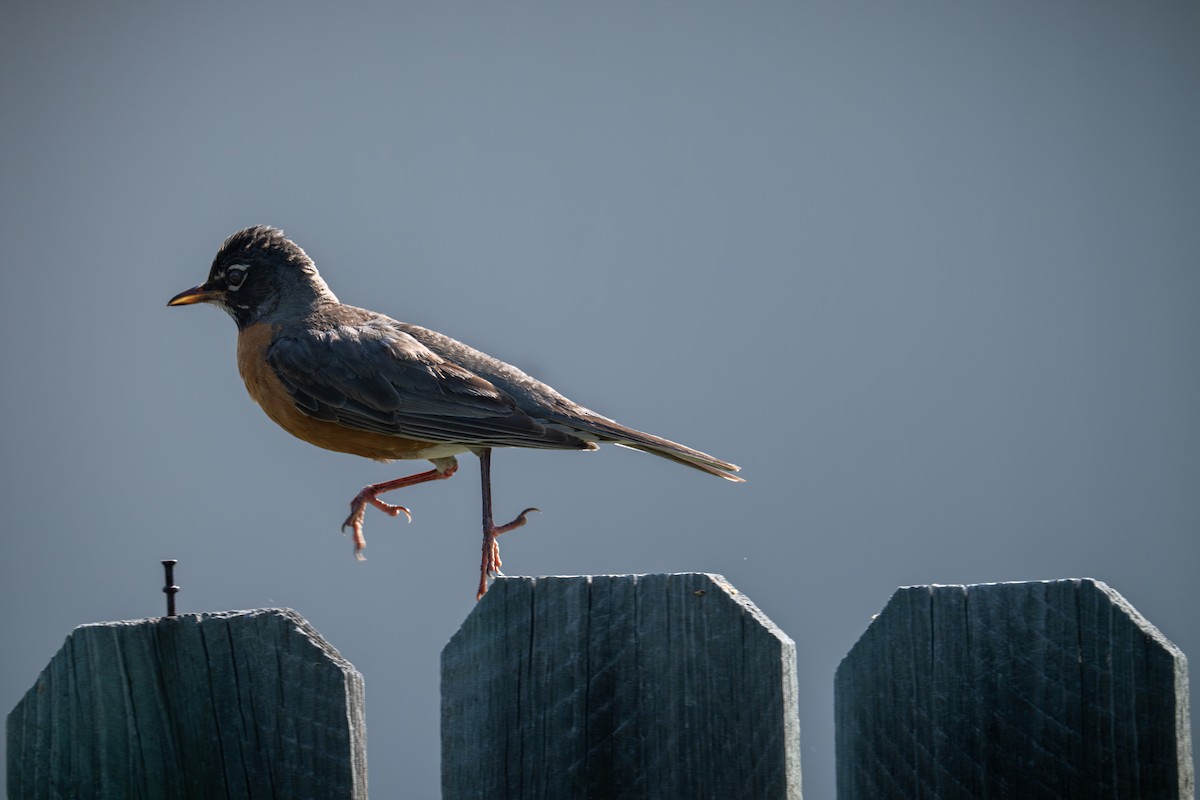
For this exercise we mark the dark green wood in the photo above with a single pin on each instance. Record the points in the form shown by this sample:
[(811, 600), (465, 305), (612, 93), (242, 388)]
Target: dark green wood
[(630, 686), (1055, 689), (248, 704)]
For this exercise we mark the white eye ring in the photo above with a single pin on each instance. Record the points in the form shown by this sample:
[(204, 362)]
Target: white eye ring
[(235, 276)]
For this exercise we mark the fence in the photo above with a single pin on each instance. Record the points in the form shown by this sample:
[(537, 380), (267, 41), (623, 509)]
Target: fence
[(240, 704), (665, 686)]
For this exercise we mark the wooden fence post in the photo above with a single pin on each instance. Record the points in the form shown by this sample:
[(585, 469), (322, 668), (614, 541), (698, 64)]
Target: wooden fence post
[(629, 686), (1055, 689), (238, 704)]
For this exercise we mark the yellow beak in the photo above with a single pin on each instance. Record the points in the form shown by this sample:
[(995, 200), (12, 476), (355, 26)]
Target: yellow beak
[(197, 294)]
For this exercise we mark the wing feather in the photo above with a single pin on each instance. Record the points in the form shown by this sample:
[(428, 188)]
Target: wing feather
[(372, 376)]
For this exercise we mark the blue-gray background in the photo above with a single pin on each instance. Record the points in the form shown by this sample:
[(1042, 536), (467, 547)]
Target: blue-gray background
[(927, 271)]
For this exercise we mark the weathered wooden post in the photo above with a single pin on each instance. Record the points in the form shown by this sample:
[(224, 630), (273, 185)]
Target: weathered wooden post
[(1055, 689), (630, 686), (239, 704)]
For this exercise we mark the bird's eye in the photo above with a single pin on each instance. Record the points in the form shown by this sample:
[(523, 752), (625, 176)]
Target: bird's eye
[(234, 278)]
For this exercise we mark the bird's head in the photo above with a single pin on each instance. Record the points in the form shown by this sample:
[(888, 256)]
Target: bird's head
[(256, 272)]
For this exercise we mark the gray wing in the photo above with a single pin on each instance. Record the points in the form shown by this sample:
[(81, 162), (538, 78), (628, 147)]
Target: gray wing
[(374, 377), (555, 410)]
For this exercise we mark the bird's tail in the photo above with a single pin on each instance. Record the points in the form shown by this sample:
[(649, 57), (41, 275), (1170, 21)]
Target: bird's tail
[(607, 430), (688, 457)]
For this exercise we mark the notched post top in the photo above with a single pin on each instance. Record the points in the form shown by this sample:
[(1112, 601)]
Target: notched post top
[(619, 686), (1038, 689), (232, 704)]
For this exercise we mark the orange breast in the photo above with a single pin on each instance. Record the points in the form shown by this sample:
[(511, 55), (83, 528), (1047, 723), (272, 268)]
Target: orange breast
[(264, 386)]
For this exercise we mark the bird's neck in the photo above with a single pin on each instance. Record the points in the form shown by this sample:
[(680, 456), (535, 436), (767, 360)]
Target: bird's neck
[(297, 303)]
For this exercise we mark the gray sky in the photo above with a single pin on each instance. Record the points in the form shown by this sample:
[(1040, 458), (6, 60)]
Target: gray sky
[(927, 271)]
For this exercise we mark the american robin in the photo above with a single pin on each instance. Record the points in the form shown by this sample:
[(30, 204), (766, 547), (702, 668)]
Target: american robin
[(355, 381)]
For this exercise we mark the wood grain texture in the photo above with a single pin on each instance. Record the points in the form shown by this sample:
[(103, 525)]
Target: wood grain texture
[(611, 687), (248, 704), (1055, 689)]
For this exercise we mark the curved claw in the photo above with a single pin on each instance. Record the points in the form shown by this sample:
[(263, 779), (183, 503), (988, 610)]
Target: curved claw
[(391, 510), (354, 523), (490, 565), (358, 507), (443, 468), (516, 523)]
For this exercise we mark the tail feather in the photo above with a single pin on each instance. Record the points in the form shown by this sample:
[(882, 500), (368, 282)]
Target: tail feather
[(607, 430), (713, 466)]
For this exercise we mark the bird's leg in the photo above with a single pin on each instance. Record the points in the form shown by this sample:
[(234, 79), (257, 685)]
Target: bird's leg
[(443, 468), (490, 565)]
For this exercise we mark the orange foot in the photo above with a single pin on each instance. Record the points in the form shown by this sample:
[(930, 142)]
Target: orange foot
[(370, 495), (491, 563)]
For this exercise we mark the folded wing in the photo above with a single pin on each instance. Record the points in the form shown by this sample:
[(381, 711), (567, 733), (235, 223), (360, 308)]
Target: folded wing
[(375, 377)]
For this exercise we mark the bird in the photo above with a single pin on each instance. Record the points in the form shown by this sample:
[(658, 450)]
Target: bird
[(356, 381)]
